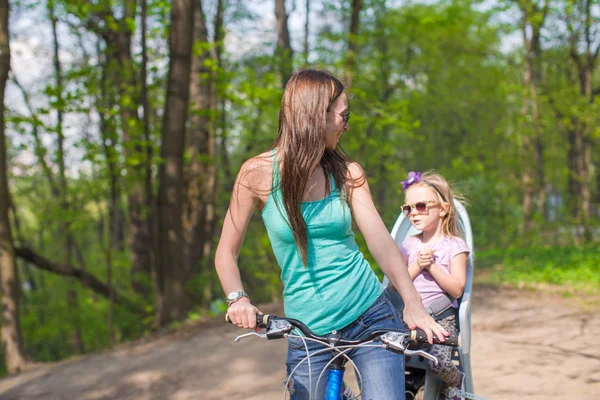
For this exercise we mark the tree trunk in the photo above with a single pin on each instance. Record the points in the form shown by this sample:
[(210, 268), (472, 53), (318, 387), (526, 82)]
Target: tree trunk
[(118, 38), (527, 149), (140, 234), (587, 73), (12, 342), (150, 221), (199, 215), (76, 336), (585, 64), (18, 238), (586, 189), (385, 71), (171, 296), (200, 132), (224, 162), (534, 59), (538, 143), (352, 42), (108, 250), (283, 52), (527, 181), (111, 227), (534, 180), (210, 210), (573, 181), (306, 32)]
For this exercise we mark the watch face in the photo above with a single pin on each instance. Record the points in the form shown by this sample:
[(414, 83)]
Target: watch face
[(233, 296)]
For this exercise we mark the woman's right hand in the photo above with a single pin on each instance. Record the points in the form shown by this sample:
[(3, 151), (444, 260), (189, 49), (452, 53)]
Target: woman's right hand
[(243, 314), (415, 316)]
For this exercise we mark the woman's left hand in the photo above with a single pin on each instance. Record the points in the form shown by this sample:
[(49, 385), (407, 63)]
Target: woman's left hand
[(415, 316)]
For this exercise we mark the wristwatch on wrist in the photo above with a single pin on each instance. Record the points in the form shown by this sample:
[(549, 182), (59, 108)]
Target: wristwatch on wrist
[(235, 296)]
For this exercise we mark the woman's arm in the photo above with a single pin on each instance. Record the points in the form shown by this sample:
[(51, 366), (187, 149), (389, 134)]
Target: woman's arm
[(242, 204), (388, 255), (413, 270), (453, 283)]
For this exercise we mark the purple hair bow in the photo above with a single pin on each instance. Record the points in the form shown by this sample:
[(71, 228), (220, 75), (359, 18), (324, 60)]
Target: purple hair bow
[(413, 177)]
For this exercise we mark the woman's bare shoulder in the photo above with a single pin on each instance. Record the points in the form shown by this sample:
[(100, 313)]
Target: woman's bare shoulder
[(257, 171), (356, 173)]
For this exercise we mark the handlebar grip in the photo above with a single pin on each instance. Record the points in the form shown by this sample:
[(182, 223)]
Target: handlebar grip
[(261, 319), (421, 337)]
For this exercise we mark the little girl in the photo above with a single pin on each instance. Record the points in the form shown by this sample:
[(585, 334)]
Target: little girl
[(437, 261)]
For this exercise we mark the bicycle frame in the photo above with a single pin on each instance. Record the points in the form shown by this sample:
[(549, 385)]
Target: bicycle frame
[(335, 383)]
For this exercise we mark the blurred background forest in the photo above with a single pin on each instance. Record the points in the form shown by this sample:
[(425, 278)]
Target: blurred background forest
[(125, 122)]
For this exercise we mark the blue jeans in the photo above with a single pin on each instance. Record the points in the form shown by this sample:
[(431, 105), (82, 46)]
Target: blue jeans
[(382, 371)]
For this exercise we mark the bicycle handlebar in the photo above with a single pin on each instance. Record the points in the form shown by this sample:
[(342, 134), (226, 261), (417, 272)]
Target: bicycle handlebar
[(279, 328)]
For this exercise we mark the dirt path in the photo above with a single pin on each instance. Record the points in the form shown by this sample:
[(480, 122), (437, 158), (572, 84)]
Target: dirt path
[(525, 346)]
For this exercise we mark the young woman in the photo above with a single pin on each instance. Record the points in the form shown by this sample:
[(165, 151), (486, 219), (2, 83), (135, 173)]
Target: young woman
[(307, 193)]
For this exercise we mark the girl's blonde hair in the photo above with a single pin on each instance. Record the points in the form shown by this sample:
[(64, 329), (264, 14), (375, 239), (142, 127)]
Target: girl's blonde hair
[(446, 195)]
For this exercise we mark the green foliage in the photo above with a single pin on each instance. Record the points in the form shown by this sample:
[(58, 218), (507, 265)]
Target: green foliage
[(565, 266)]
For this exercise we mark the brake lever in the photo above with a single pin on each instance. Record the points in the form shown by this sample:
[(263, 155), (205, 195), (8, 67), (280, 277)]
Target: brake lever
[(276, 329), (245, 335), (422, 353), (398, 341)]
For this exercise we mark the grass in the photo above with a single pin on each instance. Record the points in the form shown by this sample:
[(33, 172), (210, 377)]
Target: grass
[(573, 269)]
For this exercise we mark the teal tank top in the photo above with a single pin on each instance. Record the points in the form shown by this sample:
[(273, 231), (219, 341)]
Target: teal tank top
[(337, 285)]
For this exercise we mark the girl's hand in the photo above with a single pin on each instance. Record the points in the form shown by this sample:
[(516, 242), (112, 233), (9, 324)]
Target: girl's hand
[(416, 317), (243, 314), (425, 258)]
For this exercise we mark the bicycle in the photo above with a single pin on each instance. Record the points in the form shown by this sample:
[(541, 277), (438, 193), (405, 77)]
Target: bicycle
[(392, 340)]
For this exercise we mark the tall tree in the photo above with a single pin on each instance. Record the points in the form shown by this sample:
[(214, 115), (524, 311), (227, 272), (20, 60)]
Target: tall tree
[(171, 297), (584, 50), (147, 137), (104, 98), (306, 31), (357, 6), (11, 327), (118, 43), (532, 22), (117, 34), (201, 173), (283, 52), (76, 338)]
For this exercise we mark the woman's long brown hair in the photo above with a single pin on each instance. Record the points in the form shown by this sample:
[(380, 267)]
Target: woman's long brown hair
[(300, 144)]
